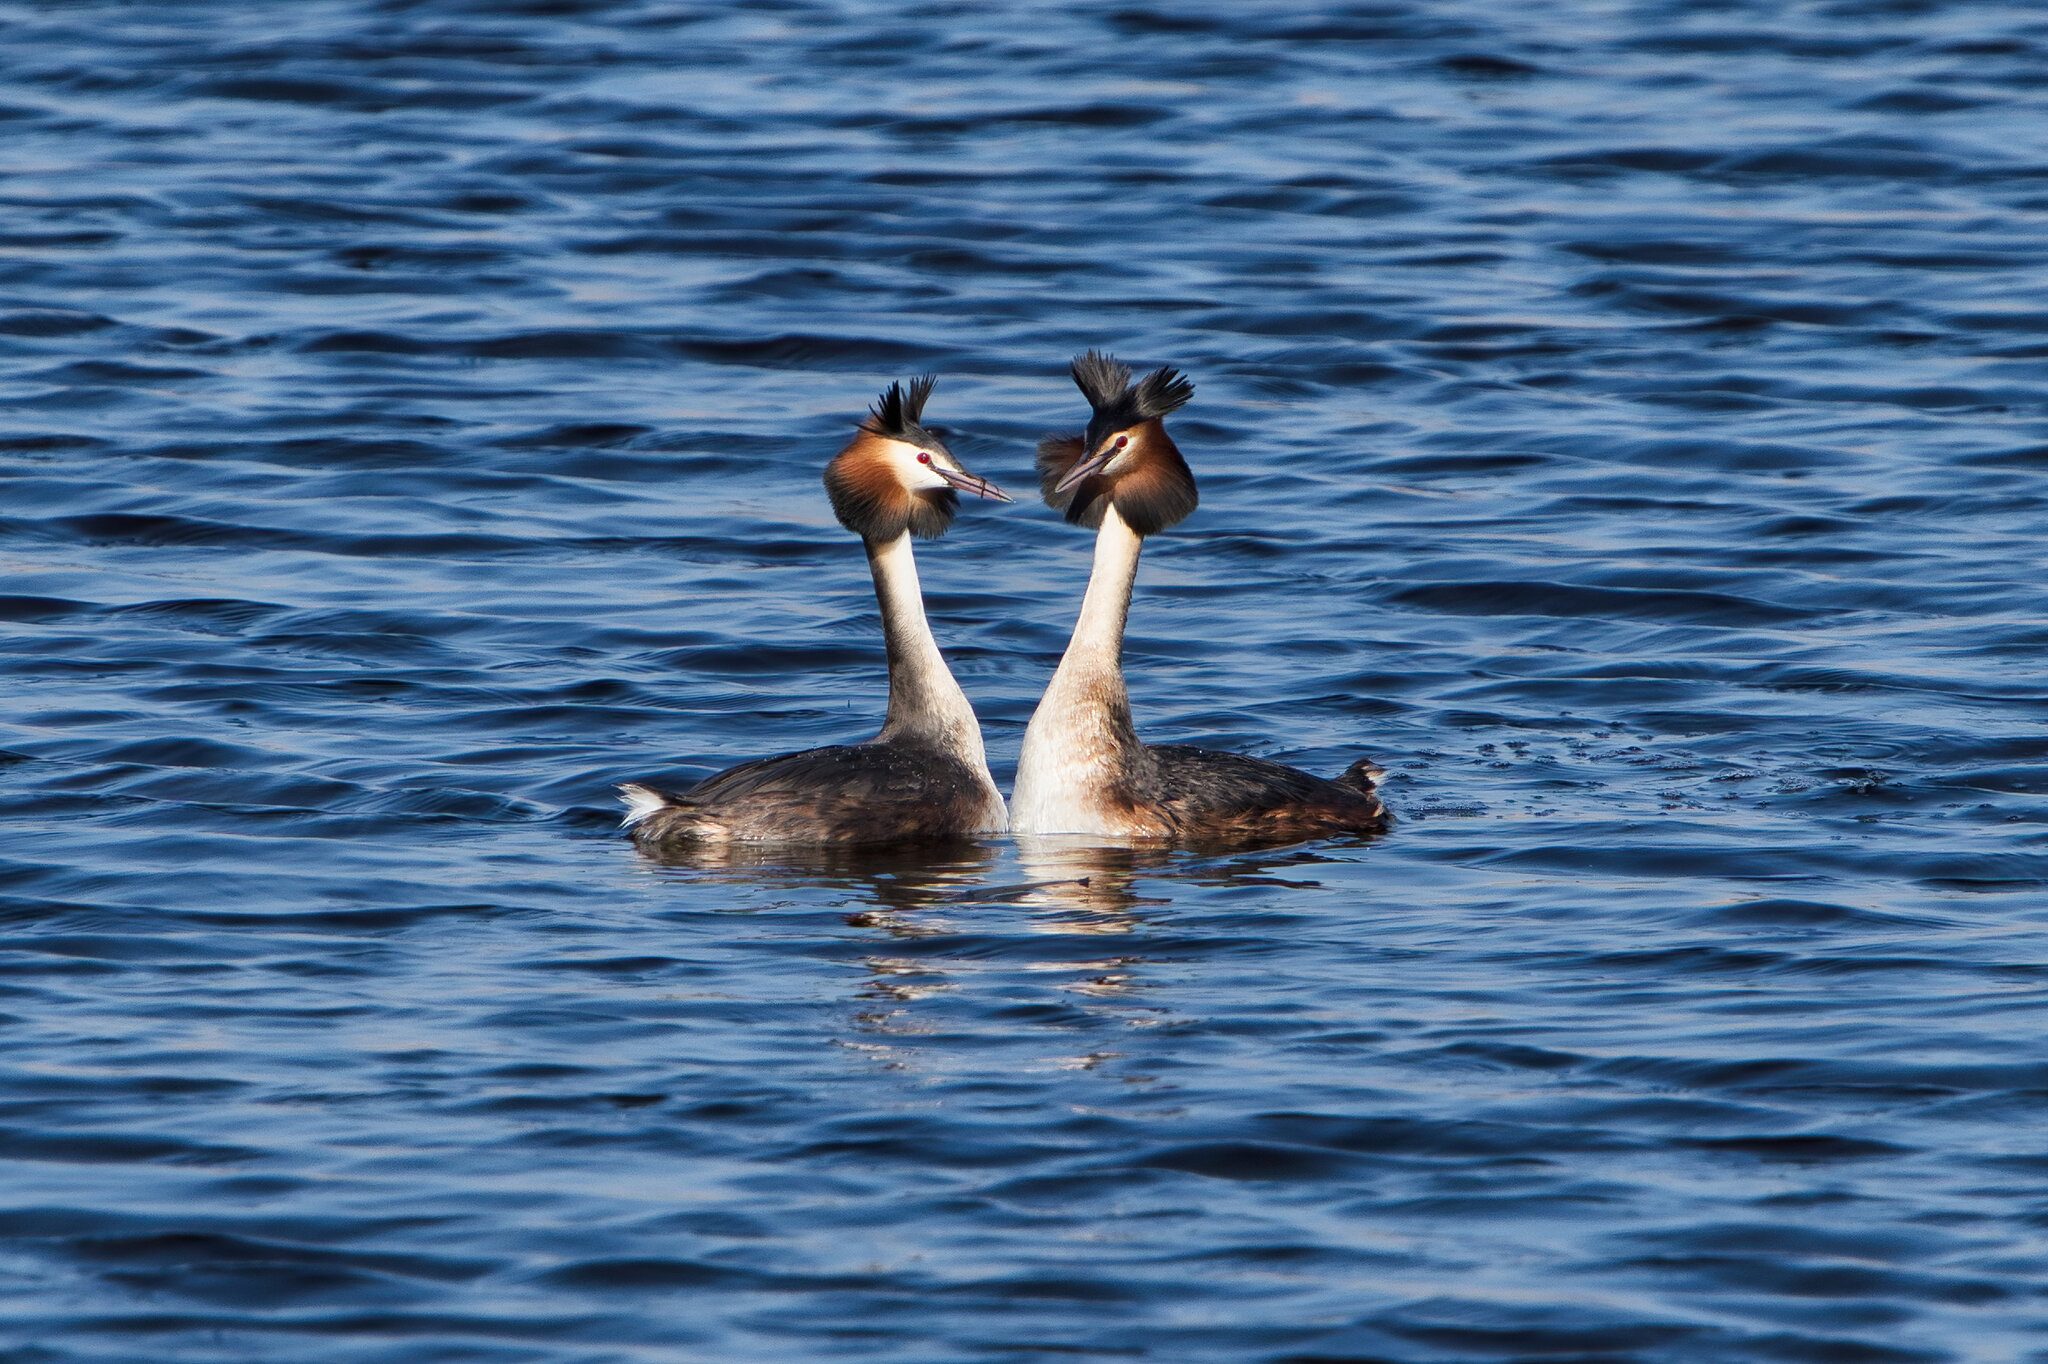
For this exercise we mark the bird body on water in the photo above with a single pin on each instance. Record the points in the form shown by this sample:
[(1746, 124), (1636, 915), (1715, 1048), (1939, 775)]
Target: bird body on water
[(1083, 769), (925, 777)]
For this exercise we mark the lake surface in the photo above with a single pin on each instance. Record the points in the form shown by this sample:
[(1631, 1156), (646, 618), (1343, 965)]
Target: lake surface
[(1623, 421)]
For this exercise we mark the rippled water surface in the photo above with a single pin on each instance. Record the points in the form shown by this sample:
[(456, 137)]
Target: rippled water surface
[(1622, 420)]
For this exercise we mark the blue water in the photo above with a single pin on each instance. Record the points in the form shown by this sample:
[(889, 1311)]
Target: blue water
[(1623, 421)]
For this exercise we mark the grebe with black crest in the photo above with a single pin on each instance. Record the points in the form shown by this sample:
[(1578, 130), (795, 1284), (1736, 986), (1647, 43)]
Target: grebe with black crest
[(925, 777), (1083, 769)]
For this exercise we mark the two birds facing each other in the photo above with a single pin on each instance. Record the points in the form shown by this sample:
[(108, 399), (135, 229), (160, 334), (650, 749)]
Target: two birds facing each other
[(1083, 769)]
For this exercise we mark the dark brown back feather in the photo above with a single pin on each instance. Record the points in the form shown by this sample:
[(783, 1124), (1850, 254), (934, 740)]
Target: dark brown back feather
[(873, 794), (1231, 797)]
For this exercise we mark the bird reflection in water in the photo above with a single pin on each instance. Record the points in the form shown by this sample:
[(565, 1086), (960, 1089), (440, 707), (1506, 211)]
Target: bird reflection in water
[(908, 894), (1070, 884), (950, 915), (896, 881), (1101, 884)]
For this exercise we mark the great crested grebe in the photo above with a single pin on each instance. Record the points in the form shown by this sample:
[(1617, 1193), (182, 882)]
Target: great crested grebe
[(924, 778), (1083, 769)]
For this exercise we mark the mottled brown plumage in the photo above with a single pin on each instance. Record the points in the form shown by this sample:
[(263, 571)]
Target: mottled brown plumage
[(877, 794), (1200, 793)]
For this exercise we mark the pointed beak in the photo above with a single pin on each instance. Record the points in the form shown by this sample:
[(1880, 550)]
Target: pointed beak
[(970, 483), (1081, 471)]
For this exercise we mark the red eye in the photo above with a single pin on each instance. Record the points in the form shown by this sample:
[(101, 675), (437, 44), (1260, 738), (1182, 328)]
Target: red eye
[(1121, 442), (923, 457)]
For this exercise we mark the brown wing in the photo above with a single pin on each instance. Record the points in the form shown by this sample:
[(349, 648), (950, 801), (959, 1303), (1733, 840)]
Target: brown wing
[(1229, 797), (872, 794)]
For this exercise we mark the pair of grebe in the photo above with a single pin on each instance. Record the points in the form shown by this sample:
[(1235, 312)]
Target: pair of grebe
[(1083, 769)]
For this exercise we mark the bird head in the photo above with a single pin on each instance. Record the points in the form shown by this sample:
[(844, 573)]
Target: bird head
[(899, 475), (1125, 458)]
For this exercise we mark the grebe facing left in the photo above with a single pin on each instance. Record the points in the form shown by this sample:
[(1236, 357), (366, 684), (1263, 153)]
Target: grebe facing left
[(924, 778), (1083, 769)]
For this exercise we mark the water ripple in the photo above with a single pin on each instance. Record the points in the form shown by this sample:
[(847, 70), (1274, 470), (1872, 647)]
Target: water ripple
[(1624, 426)]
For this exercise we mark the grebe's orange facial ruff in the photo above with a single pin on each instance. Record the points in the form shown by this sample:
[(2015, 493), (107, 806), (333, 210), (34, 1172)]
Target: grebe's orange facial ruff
[(896, 475), (1125, 458)]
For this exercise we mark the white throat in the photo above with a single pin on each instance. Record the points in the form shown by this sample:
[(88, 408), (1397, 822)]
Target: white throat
[(1076, 744), (924, 700)]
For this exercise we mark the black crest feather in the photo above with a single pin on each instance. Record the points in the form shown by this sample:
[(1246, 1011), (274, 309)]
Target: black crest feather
[(899, 412), (1105, 382), (1162, 391), (1101, 378)]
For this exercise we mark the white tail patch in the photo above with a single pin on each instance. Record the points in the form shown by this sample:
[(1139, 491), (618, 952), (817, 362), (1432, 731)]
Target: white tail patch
[(1366, 773), (640, 802)]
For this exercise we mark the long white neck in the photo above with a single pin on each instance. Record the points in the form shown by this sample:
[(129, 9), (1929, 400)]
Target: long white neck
[(1096, 650), (1081, 732), (924, 700)]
